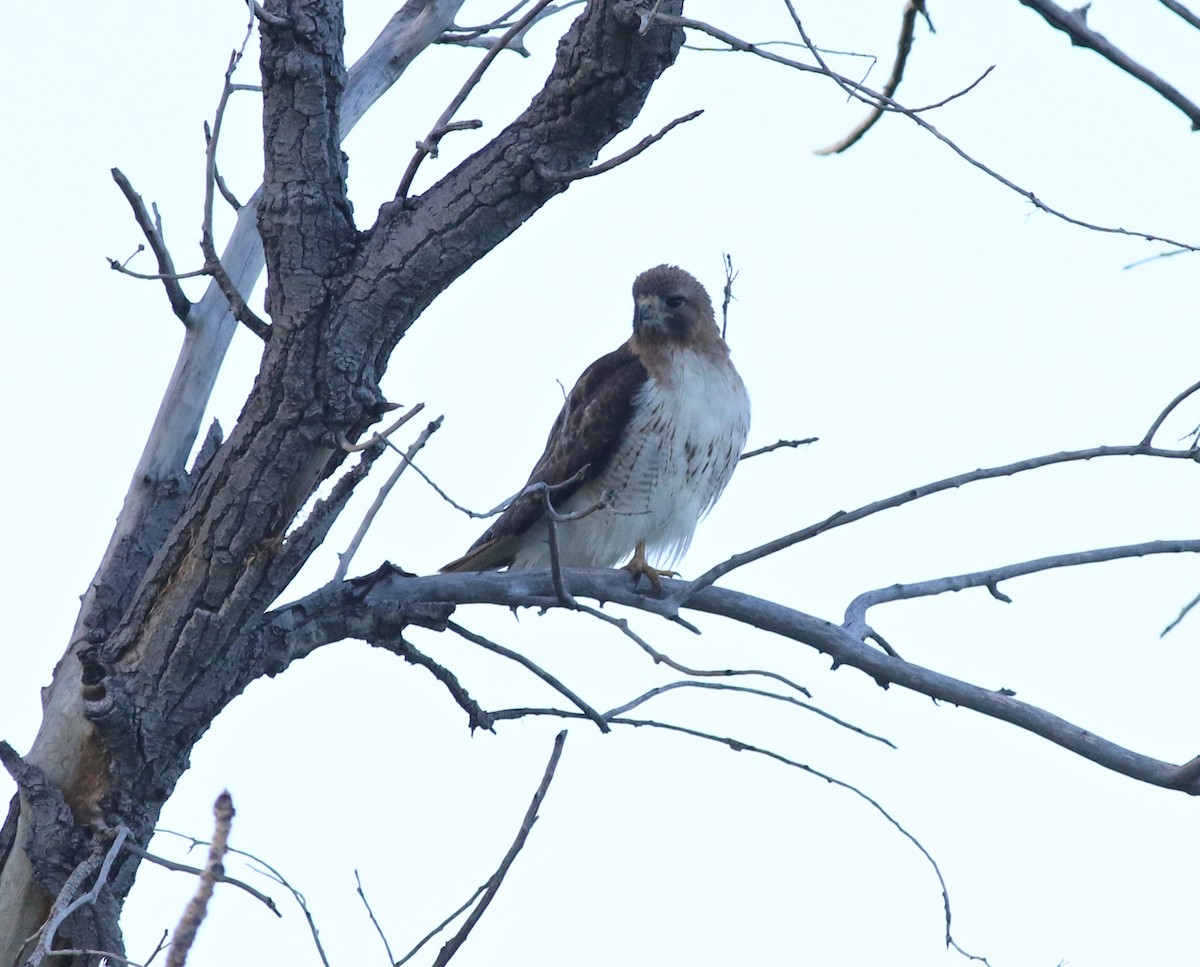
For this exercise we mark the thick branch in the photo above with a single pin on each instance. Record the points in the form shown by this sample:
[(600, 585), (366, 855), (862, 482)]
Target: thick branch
[(64, 747), (358, 609), (1074, 24)]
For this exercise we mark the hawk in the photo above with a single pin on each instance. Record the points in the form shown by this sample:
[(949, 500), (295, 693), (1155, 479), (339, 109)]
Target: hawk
[(647, 439)]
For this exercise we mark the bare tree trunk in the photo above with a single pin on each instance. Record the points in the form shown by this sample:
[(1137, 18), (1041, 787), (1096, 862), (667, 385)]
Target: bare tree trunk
[(163, 653)]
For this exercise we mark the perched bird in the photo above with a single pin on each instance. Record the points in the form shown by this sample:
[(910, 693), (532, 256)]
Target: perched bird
[(647, 438)]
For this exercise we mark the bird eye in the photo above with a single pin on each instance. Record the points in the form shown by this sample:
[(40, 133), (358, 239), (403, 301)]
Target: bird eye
[(674, 302)]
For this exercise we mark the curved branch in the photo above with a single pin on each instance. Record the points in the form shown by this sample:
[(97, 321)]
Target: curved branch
[(1167, 410), (376, 603), (908, 22), (856, 611), (617, 160)]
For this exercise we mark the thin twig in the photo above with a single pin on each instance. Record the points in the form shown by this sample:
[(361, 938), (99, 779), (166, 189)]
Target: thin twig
[(908, 22), (271, 873), (443, 124), (158, 948), (778, 444), (737, 745), (152, 229), (616, 160), (1183, 613), (156, 276), (540, 672), (371, 914), (196, 871), (475, 36), (193, 915), (223, 188), (347, 555), (725, 687), (661, 658), (537, 487), (497, 878), (212, 262), (560, 588), (730, 278), (1155, 258), (381, 437), (439, 928)]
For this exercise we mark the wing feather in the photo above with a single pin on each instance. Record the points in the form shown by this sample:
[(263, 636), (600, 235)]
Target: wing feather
[(582, 440)]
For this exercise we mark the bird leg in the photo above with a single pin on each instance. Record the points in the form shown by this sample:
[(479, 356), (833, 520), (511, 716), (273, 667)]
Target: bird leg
[(638, 566)]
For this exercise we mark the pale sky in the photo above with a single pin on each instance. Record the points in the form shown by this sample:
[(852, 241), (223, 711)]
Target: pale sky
[(916, 316)]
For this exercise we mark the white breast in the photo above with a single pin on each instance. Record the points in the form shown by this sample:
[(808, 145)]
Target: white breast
[(676, 456)]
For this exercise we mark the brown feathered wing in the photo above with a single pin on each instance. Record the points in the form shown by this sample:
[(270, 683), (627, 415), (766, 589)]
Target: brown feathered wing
[(582, 440)]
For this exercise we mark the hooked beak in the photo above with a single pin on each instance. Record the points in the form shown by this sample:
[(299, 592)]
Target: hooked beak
[(647, 315)]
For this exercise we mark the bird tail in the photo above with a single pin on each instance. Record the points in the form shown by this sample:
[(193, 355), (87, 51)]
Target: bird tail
[(484, 556)]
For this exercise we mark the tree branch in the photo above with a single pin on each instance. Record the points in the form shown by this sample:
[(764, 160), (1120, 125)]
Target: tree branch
[(778, 444), (908, 22), (180, 304), (193, 916), (874, 98), (477, 717), (67, 902), (1180, 10), (841, 518), (347, 555), (497, 878), (856, 611), (737, 745), (537, 670), (197, 871), (616, 160), (1167, 410), (443, 125), (1074, 24), (352, 609), (612, 713)]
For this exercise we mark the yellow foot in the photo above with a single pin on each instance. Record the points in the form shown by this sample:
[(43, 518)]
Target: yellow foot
[(640, 566)]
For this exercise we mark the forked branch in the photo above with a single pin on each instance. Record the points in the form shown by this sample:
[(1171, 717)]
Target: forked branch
[(908, 23), (152, 229)]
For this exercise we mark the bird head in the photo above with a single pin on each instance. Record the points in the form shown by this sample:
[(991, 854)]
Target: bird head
[(670, 306)]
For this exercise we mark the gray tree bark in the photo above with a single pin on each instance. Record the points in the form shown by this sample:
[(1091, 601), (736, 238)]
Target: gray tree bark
[(163, 641)]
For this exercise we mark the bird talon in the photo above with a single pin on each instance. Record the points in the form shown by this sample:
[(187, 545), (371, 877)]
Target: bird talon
[(639, 566)]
